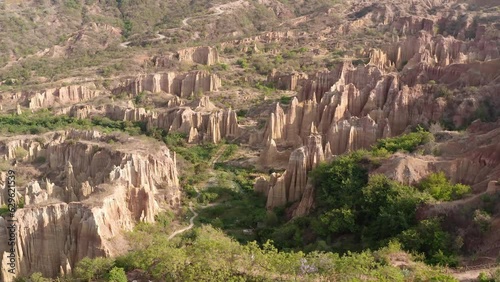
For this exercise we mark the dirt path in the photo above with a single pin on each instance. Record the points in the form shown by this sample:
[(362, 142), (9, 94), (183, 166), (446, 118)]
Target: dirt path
[(218, 11), (158, 37), (214, 159)]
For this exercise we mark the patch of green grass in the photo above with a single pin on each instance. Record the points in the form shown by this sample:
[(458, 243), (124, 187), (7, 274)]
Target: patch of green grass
[(43, 121)]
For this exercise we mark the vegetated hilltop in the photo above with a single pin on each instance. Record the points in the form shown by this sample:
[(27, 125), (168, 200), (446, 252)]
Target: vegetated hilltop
[(301, 131)]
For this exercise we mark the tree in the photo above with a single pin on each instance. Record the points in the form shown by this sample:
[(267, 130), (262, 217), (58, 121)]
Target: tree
[(440, 187), (117, 274), (91, 269)]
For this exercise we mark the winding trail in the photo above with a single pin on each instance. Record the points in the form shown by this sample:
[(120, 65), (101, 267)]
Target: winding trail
[(218, 11), (191, 221), (158, 37), (216, 157)]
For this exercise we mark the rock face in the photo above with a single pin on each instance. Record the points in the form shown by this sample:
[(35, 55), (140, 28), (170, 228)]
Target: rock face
[(92, 193), (200, 55), (61, 96), (183, 85), (473, 160), (249, 43), (199, 121), (437, 51), (203, 55), (351, 107), (201, 125), (287, 81), (290, 186)]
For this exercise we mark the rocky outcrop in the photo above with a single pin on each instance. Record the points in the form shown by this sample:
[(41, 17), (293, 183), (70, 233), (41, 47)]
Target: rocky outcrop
[(62, 96), (360, 106), (424, 48), (290, 186), (92, 193), (411, 25), (473, 159), (350, 108), (209, 126), (270, 157), (203, 55), (287, 81), (199, 121), (182, 85), (249, 43), (200, 55)]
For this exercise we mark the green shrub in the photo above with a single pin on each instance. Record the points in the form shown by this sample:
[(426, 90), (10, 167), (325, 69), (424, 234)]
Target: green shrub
[(486, 112), (285, 100), (40, 160), (139, 99), (20, 153), (93, 269), (408, 142), (443, 91), (241, 113), (429, 238), (482, 219), (229, 151), (35, 277), (242, 63), (441, 189), (117, 274)]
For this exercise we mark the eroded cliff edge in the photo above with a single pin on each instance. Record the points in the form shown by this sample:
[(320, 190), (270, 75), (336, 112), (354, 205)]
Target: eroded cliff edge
[(92, 190)]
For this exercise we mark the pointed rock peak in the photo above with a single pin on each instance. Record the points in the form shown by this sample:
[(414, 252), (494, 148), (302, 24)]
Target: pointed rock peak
[(278, 108), (314, 129), (204, 104), (270, 143), (313, 99), (328, 150)]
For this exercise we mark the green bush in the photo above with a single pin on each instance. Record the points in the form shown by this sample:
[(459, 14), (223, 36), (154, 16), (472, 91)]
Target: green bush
[(429, 238), (285, 100), (443, 91), (408, 142), (346, 175), (242, 63), (117, 274), (20, 153), (441, 189), (40, 160), (229, 151), (35, 277), (93, 269)]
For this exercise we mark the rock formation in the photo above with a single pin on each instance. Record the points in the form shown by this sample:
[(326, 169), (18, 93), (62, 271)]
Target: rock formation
[(183, 85), (61, 96), (203, 55), (287, 81), (212, 125), (199, 121), (200, 55), (290, 186), (351, 107), (95, 192)]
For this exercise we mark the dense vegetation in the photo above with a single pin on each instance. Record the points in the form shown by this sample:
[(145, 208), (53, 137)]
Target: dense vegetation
[(355, 211), (408, 142), (43, 121), (207, 254)]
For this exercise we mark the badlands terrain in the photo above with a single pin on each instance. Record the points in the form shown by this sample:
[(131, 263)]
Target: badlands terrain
[(268, 140)]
